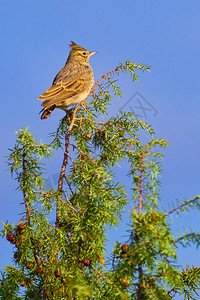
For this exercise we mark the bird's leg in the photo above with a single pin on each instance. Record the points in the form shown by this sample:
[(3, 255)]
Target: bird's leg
[(69, 113)]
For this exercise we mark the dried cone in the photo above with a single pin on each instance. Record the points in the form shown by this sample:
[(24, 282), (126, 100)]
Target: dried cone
[(83, 156), (26, 283), (23, 283), (134, 263), (38, 270), (124, 248), (81, 265), (21, 228), (88, 135), (23, 238), (124, 282), (46, 293), (29, 265), (57, 273), (17, 244), (11, 238), (87, 262), (154, 217), (100, 258)]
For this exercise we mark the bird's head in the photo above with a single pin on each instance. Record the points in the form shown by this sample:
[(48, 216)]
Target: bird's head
[(79, 54)]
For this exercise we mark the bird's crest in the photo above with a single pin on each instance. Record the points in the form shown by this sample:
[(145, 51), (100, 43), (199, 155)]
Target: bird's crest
[(74, 46)]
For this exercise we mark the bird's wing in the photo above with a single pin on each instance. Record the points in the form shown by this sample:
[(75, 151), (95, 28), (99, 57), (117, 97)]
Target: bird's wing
[(67, 84)]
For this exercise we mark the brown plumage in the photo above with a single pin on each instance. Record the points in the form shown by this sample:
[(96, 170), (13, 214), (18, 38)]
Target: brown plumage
[(72, 84)]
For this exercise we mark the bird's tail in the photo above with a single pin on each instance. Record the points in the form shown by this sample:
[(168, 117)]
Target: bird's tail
[(47, 112)]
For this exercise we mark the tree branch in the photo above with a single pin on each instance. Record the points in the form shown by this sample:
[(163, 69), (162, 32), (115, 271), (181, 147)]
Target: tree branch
[(104, 76), (140, 284), (28, 209), (28, 212), (141, 183), (186, 203), (69, 185), (70, 204)]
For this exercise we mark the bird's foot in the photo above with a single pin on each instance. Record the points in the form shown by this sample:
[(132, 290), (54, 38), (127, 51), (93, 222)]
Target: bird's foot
[(69, 113)]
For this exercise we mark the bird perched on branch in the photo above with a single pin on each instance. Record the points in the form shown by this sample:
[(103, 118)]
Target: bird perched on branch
[(72, 84)]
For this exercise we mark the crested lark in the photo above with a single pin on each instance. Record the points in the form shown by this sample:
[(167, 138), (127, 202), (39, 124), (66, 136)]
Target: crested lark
[(72, 84)]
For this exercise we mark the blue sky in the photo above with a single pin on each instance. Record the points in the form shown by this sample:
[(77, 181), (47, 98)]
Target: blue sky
[(164, 34)]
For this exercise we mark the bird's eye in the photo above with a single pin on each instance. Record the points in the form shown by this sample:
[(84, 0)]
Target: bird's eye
[(84, 53)]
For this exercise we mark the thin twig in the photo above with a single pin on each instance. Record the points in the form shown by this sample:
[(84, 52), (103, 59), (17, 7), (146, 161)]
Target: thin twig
[(181, 206), (101, 89), (74, 146), (65, 159), (140, 285), (100, 273), (71, 159), (69, 185), (156, 278), (141, 183), (70, 204), (69, 132), (28, 209), (93, 91), (104, 76), (172, 290), (192, 234), (113, 262)]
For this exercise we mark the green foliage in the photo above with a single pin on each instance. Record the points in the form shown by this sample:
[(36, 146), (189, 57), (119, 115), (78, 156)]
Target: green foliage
[(64, 257)]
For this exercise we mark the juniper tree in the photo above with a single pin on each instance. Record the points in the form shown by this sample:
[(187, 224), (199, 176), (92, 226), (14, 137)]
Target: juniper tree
[(59, 243)]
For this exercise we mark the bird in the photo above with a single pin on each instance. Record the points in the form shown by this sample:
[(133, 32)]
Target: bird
[(72, 84)]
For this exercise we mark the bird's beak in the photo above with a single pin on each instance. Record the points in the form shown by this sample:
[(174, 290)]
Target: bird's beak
[(92, 53)]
